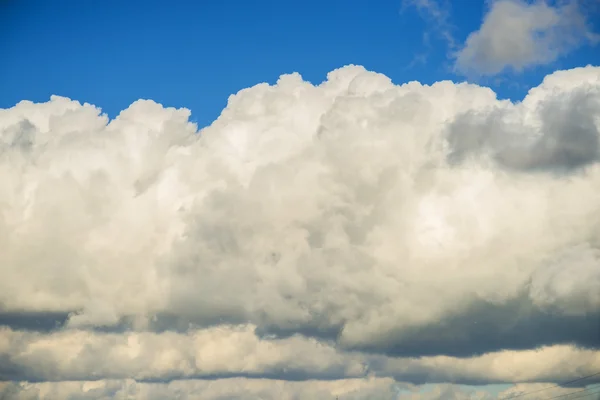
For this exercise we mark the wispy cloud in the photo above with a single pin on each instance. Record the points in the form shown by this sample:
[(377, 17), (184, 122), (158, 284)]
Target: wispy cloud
[(438, 16)]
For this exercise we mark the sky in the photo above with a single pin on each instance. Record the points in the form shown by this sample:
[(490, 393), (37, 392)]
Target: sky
[(197, 54), (300, 200)]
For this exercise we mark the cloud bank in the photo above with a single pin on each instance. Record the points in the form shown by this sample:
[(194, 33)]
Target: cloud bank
[(352, 230), (517, 34), (241, 388)]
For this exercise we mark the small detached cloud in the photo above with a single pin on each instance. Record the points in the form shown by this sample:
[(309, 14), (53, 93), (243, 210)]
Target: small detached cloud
[(516, 35)]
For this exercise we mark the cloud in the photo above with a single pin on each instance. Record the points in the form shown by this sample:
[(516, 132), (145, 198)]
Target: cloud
[(517, 35), (237, 388), (438, 14), (311, 232), (238, 351), (562, 134), (243, 388), (214, 352)]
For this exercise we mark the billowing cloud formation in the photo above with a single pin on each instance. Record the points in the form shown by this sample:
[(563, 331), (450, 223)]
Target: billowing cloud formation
[(311, 232), (517, 34)]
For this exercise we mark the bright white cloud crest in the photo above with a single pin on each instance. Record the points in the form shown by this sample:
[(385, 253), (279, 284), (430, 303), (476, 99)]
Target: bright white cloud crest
[(356, 215)]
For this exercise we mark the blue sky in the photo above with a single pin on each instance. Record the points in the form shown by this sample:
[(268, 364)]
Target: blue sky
[(196, 54)]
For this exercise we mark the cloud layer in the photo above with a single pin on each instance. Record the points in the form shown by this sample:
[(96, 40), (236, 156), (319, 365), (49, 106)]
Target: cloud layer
[(323, 232), (242, 388), (230, 352)]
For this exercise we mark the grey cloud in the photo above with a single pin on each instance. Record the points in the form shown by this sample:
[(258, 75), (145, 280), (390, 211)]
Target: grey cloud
[(34, 321), (565, 138), (485, 327)]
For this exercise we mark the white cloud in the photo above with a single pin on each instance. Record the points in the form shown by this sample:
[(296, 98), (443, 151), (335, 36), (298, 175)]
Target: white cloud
[(409, 221), (517, 34), (220, 351)]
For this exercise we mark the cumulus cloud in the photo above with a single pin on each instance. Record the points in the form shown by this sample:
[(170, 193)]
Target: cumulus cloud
[(516, 34), (327, 231)]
